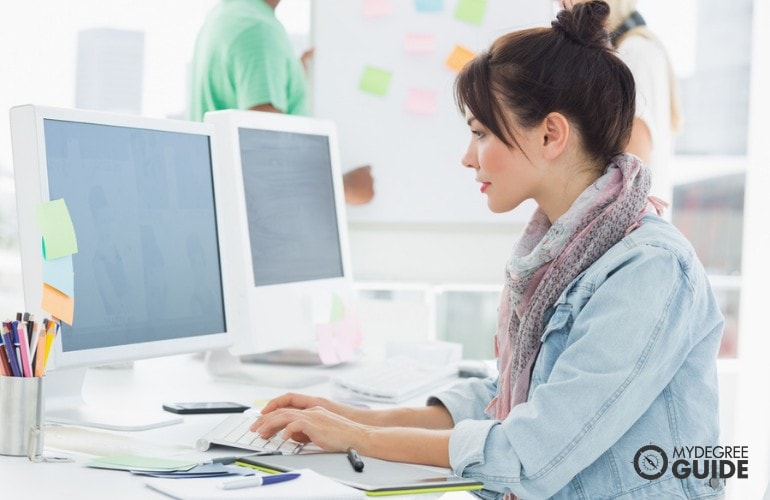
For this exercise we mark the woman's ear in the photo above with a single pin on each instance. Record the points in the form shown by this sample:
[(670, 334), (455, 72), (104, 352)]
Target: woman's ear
[(556, 131)]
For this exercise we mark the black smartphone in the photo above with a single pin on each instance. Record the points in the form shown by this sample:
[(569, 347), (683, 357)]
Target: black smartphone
[(205, 407)]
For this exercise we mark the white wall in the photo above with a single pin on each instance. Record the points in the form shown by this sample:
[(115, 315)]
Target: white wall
[(434, 254)]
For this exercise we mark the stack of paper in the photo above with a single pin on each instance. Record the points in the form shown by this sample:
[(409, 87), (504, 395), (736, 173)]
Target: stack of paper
[(309, 485), (168, 468), (141, 463)]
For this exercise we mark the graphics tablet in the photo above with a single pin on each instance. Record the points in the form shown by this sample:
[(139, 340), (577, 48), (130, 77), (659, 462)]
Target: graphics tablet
[(378, 478)]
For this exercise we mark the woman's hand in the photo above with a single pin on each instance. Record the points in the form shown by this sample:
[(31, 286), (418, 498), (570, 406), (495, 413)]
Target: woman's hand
[(303, 402), (326, 429)]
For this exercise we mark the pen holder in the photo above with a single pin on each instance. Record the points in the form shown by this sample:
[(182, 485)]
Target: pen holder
[(21, 416)]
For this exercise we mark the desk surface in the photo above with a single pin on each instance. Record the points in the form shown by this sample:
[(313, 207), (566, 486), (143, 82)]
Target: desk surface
[(144, 386)]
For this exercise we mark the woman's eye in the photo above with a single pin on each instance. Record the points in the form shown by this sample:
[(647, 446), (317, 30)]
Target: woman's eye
[(478, 133)]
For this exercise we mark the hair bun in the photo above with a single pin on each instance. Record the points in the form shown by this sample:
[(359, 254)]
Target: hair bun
[(585, 23)]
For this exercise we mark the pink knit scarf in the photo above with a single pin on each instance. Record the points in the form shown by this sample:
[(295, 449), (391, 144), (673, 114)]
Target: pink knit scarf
[(548, 257)]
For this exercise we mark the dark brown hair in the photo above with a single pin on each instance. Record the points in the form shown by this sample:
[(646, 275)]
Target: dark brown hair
[(568, 68)]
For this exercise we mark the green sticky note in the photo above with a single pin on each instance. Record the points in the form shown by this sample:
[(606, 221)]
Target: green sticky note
[(57, 229), (139, 462), (471, 11), (338, 309), (375, 80)]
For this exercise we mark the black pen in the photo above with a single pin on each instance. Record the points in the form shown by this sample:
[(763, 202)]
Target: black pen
[(355, 460)]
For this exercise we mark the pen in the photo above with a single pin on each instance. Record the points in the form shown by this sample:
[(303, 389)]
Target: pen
[(355, 460), (10, 350), (250, 482)]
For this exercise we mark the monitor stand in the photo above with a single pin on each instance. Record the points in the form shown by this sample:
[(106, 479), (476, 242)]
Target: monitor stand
[(290, 370), (64, 404)]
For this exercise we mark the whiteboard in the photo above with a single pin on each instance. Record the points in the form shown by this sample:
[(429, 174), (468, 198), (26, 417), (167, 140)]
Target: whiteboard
[(414, 147)]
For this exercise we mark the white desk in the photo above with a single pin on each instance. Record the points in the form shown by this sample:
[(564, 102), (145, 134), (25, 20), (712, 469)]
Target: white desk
[(147, 385)]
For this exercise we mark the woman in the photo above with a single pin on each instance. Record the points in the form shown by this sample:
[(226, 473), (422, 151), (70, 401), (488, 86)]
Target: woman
[(608, 330), (658, 115)]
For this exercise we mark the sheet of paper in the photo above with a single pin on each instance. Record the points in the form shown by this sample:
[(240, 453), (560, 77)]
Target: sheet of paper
[(141, 463), (202, 470), (57, 304), (471, 11), (309, 485), (59, 274), (375, 80), (57, 229), (459, 57)]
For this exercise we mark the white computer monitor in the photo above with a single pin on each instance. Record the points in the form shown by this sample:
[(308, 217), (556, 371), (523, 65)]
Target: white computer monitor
[(287, 209), (149, 278)]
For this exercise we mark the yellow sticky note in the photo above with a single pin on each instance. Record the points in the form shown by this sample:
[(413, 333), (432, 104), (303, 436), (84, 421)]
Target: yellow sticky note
[(57, 229), (57, 304), (459, 57), (471, 11), (375, 80)]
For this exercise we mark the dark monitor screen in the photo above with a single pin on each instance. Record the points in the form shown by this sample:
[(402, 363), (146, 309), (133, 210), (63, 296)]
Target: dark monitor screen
[(290, 206), (142, 204)]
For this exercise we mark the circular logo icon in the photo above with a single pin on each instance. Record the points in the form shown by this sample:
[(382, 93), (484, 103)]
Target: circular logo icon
[(650, 462)]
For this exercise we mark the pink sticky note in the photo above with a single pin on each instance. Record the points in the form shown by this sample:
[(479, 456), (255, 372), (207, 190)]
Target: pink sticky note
[(327, 351), (422, 101), (419, 43), (350, 330), (377, 8), (338, 341)]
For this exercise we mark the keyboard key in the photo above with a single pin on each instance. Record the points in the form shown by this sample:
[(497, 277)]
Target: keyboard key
[(234, 431)]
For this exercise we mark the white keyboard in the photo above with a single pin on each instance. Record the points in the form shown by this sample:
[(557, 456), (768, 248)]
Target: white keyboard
[(394, 380), (234, 431)]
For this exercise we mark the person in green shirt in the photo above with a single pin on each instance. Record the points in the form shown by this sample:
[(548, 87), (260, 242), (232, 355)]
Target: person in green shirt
[(243, 59)]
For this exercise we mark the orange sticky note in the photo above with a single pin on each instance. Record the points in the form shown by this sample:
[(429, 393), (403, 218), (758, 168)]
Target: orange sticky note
[(58, 304), (459, 58)]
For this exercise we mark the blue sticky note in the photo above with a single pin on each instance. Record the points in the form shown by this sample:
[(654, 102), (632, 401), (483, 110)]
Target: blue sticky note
[(429, 5), (59, 274)]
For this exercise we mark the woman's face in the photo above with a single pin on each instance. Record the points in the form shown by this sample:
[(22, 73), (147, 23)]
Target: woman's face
[(507, 175)]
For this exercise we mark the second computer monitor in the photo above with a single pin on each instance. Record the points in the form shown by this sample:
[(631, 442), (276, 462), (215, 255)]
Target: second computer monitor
[(287, 210)]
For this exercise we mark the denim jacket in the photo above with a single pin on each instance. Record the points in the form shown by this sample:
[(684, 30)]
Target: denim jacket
[(628, 359)]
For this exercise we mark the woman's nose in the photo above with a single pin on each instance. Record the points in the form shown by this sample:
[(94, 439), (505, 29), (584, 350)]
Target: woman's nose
[(469, 158)]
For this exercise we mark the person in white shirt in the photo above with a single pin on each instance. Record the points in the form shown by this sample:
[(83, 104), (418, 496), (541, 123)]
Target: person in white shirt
[(657, 103)]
